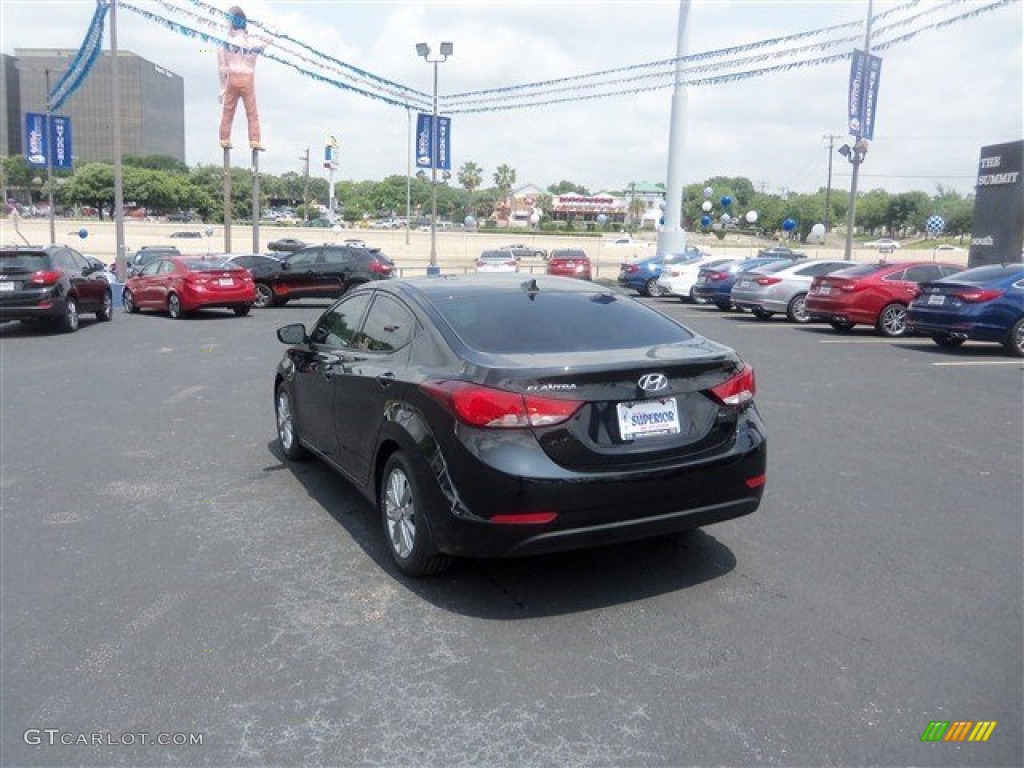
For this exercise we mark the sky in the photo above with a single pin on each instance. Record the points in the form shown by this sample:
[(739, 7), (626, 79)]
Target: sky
[(942, 95)]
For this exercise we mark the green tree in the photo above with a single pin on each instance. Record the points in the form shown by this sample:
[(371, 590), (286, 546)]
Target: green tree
[(156, 163), (567, 187), (505, 179), (92, 184)]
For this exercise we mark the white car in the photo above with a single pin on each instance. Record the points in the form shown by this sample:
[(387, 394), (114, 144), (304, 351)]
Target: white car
[(497, 261), (678, 279), (883, 244)]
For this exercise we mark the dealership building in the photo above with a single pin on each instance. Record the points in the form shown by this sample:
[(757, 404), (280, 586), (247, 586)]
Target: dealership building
[(152, 104)]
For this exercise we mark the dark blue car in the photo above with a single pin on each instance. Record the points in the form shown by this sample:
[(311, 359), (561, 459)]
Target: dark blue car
[(642, 274), (714, 284), (980, 304)]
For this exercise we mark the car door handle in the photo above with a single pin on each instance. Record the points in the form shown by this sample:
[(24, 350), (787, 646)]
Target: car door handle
[(385, 379)]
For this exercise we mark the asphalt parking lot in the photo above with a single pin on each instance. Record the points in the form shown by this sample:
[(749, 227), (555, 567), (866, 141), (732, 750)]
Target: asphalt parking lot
[(164, 572)]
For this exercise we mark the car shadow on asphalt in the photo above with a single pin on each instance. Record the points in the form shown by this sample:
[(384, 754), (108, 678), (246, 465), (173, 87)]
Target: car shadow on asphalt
[(530, 587)]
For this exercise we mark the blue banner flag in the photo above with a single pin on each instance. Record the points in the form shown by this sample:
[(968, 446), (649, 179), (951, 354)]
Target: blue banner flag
[(54, 143), (865, 73), (433, 142)]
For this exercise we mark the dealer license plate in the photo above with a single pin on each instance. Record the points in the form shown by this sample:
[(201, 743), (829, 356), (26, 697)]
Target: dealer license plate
[(936, 299), (824, 290), (646, 418), (743, 284), (226, 281), (6, 286)]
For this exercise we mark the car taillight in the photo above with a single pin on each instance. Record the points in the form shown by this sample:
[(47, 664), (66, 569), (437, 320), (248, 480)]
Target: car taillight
[(718, 275), (739, 390), (480, 406), (979, 295), (45, 277), (768, 280), (630, 268), (380, 268)]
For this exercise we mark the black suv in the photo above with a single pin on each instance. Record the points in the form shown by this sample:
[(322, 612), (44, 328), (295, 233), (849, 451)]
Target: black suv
[(321, 270), (147, 254), (51, 284)]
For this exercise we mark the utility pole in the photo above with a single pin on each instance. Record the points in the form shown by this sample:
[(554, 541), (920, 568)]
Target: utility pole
[(305, 188), (828, 187)]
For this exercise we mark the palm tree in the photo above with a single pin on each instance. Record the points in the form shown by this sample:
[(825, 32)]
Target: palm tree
[(470, 177), (504, 180)]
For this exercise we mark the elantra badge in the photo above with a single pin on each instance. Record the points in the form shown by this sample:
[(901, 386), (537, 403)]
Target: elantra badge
[(653, 382)]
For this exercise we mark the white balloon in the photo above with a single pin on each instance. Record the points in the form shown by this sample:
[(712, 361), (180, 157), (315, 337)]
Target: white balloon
[(726, 218), (336, 228), (534, 218), (751, 217), (817, 233), (705, 206)]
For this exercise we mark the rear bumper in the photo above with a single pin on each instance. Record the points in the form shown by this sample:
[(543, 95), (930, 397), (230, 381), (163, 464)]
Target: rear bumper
[(198, 299), (836, 310), (33, 307), (598, 508), (963, 328)]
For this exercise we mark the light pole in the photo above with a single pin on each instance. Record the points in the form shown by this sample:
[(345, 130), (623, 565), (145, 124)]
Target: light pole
[(422, 49)]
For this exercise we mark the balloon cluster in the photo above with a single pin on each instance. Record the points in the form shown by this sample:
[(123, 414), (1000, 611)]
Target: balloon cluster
[(707, 207)]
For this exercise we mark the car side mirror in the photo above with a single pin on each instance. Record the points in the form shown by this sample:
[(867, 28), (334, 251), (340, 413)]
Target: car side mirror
[(294, 333)]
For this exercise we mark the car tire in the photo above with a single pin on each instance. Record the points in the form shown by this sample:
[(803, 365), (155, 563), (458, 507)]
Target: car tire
[(174, 306), (796, 310), (128, 302), (840, 326), (892, 320), (402, 500), (264, 296), (761, 314), (68, 322), (106, 313), (652, 289), (287, 430), (946, 341), (1014, 343), (241, 311)]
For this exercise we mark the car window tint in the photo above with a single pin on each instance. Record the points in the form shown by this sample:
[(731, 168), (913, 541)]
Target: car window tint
[(151, 269), (389, 326), (337, 256), (14, 261), (896, 276), (549, 322), (337, 328), (62, 260), (304, 259), (922, 273), (78, 259), (861, 270), (946, 271)]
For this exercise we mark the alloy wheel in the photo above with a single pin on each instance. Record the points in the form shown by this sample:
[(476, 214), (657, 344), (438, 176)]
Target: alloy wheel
[(400, 512)]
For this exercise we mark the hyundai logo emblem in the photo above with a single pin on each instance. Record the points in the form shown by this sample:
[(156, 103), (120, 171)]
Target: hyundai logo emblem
[(653, 382)]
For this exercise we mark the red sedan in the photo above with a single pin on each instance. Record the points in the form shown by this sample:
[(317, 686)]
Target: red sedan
[(182, 284), (872, 294), (569, 262)]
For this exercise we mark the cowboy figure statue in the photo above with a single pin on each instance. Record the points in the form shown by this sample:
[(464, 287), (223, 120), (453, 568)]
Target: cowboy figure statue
[(237, 64)]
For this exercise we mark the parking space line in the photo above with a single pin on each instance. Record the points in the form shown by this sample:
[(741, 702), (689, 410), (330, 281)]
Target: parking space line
[(980, 362), (869, 341)]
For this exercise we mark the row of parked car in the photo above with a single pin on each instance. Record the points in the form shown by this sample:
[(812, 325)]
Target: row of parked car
[(947, 302)]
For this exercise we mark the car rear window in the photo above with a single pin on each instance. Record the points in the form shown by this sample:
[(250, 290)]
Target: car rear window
[(988, 274), (209, 265), (17, 261), (859, 271), (552, 322)]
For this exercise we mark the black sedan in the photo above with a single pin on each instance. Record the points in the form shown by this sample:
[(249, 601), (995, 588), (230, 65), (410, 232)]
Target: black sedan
[(286, 244), (491, 416), (320, 271)]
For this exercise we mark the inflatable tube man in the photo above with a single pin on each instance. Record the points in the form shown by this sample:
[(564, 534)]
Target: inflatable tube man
[(237, 64)]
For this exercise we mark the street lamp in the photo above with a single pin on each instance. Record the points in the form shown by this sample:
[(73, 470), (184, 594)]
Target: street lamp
[(855, 155), (422, 49)]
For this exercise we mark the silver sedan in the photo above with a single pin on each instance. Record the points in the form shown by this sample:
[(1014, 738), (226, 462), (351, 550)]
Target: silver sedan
[(781, 287)]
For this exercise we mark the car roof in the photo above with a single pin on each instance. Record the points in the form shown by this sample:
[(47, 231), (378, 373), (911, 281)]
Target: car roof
[(471, 283)]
